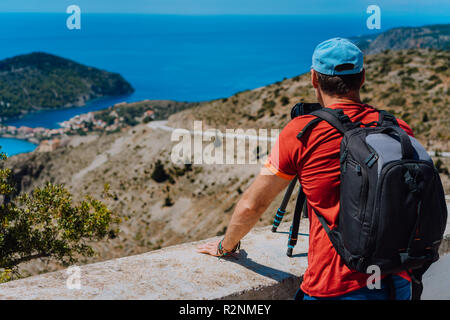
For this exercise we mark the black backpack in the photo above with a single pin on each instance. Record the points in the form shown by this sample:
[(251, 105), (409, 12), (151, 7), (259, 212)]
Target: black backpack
[(392, 204)]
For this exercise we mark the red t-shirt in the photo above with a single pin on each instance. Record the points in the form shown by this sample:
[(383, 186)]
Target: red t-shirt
[(315, 159)]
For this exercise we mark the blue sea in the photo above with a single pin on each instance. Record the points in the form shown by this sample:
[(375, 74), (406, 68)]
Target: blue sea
[(185, 58)]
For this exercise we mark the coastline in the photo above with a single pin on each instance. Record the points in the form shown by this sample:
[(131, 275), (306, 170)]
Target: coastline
[(47, 139), (95, 104), (30, 140), (36, 135)]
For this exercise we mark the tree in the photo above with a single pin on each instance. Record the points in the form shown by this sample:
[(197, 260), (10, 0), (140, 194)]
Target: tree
[(159, 174), (284, 100), (440, 167), (46, 224), (168, 201)]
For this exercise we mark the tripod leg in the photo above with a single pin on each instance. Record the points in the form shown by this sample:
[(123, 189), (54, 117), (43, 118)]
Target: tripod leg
[(282, 209), (293, 233)]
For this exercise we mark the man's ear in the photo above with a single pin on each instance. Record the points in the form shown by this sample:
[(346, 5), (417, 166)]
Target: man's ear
[(314, 81)]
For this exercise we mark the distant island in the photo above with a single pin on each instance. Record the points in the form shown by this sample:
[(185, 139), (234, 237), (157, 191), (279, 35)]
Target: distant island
[(432, 37), (39, 81)]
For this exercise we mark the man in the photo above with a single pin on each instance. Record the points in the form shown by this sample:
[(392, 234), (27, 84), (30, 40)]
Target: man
[(337, 75)]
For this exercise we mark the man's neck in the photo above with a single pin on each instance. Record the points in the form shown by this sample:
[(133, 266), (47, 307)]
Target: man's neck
[(329, 100)]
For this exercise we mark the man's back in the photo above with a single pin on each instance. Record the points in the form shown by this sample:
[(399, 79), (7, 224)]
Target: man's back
[(337, 75), (315, 159)]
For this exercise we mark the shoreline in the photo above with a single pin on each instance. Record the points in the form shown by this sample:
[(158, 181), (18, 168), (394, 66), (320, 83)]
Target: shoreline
[(12, 146), (46, 139), (30, 140), (90, 102)]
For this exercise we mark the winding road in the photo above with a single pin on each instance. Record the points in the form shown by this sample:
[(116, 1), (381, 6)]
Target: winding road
[(162, 125)]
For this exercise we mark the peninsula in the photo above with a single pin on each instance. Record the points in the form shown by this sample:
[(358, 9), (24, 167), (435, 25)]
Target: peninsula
[(39, 81)]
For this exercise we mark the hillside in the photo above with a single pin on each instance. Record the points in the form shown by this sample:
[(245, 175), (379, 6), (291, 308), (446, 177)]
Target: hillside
[(164, 204), (433, 37), (39, 80), (412, 84)]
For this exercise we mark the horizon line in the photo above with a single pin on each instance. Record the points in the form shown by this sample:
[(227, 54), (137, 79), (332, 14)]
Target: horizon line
[(225, 14)]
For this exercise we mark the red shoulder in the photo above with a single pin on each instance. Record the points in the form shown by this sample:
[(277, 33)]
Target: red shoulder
[(405, 127), (298, 124)]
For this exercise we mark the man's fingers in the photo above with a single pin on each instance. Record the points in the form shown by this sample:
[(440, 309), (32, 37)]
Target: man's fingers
[(209, 248)]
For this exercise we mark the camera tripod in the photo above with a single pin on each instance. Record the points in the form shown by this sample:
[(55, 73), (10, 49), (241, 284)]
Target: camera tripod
[(299, 109), (299, 207)]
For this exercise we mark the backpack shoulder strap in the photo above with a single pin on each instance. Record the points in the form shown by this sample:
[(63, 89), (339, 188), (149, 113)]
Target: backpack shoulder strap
[(336, 118), (387, 119), (308, 126)]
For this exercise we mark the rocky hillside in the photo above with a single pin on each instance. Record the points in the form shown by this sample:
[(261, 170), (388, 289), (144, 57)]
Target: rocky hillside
[(412, 84), (433, 37), (164, 204), (43, 81)]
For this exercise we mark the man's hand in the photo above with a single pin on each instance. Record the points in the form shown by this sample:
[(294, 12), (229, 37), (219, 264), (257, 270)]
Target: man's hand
[(214, 248), (249, 209), (210, 248)]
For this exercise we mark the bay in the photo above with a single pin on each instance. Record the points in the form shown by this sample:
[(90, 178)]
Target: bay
[(12, 146)]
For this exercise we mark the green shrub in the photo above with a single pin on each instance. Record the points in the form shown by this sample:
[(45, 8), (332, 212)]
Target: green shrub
[(284, 100), (412, 70), (441, 68), (269, 104), (168, 201), (397, 101), (46, 224), (159, 174), (440, 167)]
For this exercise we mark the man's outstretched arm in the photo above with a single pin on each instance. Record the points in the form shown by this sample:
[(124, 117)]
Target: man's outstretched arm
[(249, 209)]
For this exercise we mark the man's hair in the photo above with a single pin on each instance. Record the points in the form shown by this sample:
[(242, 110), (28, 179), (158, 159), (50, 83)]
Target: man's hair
[(339, 85)]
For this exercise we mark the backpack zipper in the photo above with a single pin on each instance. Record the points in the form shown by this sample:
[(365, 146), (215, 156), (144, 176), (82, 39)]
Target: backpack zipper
[(363, 196)]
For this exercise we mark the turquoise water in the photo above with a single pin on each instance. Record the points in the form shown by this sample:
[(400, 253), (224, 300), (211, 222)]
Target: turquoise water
[(15, 146), (185, 58), (51, 119)]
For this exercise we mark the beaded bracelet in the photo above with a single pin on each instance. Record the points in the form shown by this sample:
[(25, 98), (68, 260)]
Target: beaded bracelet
[(222, 253)]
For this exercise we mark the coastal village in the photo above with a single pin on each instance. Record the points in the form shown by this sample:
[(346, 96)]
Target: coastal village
[(108, 121)]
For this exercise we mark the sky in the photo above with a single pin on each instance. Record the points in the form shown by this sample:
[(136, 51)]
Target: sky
[(211, 7)]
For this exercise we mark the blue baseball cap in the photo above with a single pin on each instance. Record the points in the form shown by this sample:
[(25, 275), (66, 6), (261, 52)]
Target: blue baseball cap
[(335, 52)]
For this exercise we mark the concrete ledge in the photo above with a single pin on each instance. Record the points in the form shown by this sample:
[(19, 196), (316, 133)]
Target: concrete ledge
[(260, 271)]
